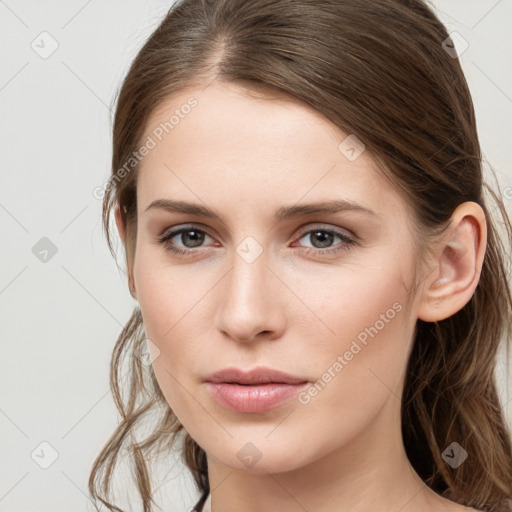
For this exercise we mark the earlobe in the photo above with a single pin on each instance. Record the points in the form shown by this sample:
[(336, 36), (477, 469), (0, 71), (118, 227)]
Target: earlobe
[(452, 283)]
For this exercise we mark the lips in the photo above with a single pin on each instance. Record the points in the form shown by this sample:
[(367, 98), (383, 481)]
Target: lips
[(256, 391), (260, 375)]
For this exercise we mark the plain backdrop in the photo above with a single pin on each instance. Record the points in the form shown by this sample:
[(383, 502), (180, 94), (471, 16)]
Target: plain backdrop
[(62, 310)]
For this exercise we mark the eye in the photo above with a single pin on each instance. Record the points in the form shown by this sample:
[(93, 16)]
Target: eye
[(322, 239), (188, 234), (192, 237)]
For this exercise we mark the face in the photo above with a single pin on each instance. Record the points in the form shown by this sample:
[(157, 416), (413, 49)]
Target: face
[(320, 295)]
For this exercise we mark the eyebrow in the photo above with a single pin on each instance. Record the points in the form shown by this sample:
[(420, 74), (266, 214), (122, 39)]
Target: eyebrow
[(283, 213)]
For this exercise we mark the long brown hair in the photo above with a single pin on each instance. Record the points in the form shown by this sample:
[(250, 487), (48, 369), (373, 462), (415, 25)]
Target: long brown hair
[(380, 70)]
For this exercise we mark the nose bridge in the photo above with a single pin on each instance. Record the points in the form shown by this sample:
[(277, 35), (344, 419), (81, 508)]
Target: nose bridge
[(249, 277), (247, 304)]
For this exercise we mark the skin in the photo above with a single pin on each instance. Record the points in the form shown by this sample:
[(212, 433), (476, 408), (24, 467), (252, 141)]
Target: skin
[(245, 157)]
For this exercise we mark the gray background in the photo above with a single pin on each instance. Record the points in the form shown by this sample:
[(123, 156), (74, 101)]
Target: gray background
[(60, 317)]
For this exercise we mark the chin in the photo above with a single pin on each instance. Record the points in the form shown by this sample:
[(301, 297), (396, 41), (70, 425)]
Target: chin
[(260, 456)]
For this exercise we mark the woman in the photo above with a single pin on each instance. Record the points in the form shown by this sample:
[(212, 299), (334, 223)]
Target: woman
[(321, 287)]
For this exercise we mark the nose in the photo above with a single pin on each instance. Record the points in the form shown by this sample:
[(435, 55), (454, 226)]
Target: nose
[(251, 302)]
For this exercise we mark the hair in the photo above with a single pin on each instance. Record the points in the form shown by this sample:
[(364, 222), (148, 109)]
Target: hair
[(378, 70)]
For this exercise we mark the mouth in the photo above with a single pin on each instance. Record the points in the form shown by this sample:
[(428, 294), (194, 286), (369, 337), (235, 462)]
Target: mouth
[(256, 391)]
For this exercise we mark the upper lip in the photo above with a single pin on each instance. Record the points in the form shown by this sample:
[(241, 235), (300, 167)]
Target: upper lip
[(259, 375)]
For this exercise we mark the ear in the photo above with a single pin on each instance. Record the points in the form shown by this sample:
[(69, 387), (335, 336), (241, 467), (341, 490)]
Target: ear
[(456, 266), (121, 228), (120, 224)]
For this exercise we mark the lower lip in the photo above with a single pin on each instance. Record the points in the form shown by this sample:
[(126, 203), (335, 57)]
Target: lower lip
[(254, 398)]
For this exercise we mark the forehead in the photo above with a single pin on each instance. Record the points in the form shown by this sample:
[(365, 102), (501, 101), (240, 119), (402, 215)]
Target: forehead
[(225, 143)]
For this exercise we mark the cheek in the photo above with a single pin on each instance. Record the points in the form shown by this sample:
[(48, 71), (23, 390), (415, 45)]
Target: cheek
[(167, 305), (167, 302), (164, 291), (173, 301), (369, 310), (362, 365), (365, 299)]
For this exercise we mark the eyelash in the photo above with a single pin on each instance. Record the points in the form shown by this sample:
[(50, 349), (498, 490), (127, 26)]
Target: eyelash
[(345, 245)]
